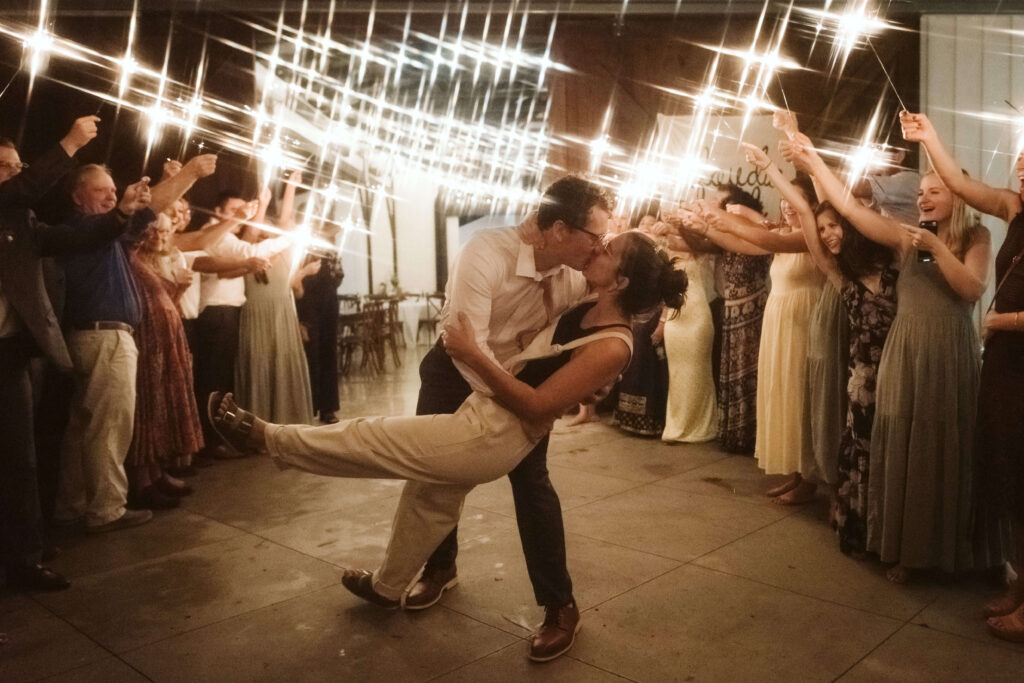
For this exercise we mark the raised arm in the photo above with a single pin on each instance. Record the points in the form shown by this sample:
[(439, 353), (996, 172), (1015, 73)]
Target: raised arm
[(998, 202), (170, 189), (690, 229), (591, 368), (872, 225), (211, 233), (26, 188), (286, 219), (717, 231), (823, 258), (773, 241)]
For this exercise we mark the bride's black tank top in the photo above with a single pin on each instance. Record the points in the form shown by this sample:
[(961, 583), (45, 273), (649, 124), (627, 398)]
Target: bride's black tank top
[(568, 329)]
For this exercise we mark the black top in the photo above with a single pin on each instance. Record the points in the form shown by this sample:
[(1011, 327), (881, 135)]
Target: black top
[(569, 328), (1010, 297)]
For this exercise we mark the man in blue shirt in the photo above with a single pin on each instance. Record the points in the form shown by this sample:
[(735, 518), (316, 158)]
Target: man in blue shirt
[(102, 310), (28, 327)]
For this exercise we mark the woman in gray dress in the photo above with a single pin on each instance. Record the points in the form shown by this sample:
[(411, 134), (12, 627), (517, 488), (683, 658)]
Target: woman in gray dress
[(271, 374), (920, 493)]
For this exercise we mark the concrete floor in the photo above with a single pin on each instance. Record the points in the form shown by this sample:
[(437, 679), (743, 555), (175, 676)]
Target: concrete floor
[(683, 570)]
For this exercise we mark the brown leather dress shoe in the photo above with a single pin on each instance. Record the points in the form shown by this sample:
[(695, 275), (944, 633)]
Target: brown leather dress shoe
[(429, 589), (360, 582), (557, 634)]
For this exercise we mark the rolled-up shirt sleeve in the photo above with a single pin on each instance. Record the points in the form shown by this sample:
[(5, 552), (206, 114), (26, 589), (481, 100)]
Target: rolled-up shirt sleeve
[(476, 275)]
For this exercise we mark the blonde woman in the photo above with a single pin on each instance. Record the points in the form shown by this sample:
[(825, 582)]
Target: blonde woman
[(921, 462)]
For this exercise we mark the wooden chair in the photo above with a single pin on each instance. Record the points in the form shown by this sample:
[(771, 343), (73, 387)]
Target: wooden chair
[(432, 316), (349, 340)]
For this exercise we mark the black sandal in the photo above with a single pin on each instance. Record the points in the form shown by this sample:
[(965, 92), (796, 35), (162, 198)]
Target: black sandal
[(234, 427)]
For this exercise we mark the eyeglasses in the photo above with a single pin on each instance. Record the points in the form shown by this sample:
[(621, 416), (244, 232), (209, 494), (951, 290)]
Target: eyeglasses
[(594, 238), (8, 166)]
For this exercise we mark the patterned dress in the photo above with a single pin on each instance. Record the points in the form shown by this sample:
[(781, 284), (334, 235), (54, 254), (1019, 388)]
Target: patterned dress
[(744, 280), (640, 408), (870, 315), (167, 429)]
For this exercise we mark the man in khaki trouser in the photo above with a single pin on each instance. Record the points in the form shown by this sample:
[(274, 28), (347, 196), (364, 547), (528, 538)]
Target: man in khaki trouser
[(101, 311)]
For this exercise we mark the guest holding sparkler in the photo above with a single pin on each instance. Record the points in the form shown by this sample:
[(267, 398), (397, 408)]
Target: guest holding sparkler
[(921, 463), (167, 429), (691, 414), (272, 374), (1000, 425), (782, 356), (741, 278), (862, 271)]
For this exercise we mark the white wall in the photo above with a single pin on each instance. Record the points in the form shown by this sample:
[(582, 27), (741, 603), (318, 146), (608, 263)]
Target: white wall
[(414, 211), (973, 64)]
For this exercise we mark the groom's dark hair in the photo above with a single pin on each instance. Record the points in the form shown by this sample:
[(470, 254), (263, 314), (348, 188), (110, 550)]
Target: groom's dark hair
[(570, 199)]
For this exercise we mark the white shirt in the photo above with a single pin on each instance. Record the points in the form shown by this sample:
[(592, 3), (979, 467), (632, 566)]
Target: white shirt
[(189, 301), (216, 291), (495, 282), (896, 195)]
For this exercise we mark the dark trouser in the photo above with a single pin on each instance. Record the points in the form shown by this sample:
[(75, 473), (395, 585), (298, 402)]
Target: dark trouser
[(538, 510), (21, 523), (322, 353), (52, 392), (717, 314), (214, 357)]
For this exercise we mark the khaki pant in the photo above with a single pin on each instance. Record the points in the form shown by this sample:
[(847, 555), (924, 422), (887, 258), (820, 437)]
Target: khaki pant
[(443, 456), (92, 478)]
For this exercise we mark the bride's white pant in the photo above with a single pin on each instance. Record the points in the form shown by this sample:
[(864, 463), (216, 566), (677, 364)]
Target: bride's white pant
[(442, 456)]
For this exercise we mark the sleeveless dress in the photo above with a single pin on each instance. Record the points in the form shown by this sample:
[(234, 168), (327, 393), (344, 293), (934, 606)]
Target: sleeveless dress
[(922, 466), (782, 366), (271, 375), (643, 389), (827, 373), (870, 317), (1000, 442), (744, 292), (692, 410), (167, 429)]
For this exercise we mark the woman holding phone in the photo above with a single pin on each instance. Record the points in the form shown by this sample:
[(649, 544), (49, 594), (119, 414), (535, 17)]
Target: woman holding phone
[(922, 444), (1000, 430)]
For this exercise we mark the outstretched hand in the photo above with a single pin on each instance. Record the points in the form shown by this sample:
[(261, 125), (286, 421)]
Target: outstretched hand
[(172, 167), (799, 151), (82, 131), (756, 156), (458, 338), (785, 122), (202, 165), (916, 127), (137, 196), (923, 239)]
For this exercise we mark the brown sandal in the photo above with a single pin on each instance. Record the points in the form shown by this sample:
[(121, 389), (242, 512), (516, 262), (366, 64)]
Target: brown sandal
[(234, 427)]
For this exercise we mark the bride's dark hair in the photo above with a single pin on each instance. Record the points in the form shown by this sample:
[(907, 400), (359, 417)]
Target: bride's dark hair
[(653, 279)]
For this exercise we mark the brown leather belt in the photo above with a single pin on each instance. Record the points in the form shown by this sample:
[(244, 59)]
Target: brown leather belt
[(107, 325)]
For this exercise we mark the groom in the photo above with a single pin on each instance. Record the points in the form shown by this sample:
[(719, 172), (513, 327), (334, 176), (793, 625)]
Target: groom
[(510, 282)]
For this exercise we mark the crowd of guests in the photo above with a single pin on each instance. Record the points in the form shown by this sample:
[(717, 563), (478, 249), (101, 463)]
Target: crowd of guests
[(149, 312), (837, 346)]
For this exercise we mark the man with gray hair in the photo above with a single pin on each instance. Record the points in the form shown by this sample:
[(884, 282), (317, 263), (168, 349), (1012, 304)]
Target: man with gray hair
[(102, 310)]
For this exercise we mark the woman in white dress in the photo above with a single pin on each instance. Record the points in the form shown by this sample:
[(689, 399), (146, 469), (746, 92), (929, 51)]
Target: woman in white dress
[(692, 414)]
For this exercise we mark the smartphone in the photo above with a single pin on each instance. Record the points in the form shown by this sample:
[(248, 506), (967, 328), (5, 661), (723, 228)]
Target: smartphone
[(924, 256)]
